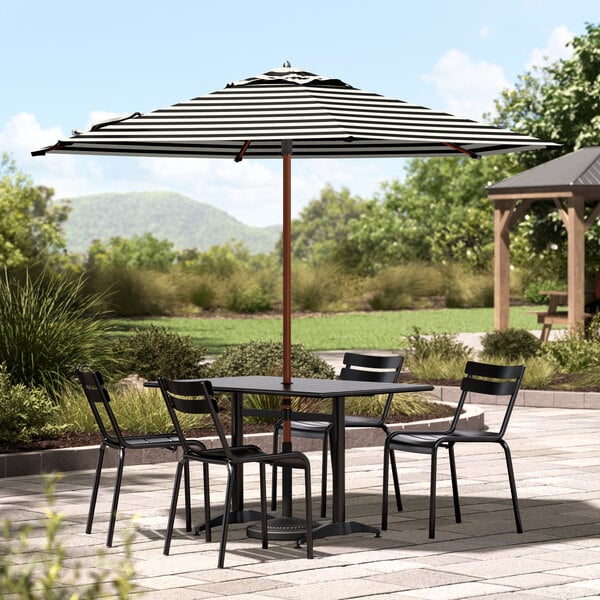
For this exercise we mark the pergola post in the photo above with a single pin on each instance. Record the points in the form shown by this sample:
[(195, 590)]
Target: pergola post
[(502, 211), (576, 261)]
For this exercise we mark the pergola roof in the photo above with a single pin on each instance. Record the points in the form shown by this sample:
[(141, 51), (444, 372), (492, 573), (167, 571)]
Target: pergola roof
[(570, 181), (574, 174)]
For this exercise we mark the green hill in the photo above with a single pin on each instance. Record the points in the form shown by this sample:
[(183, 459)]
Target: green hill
[(166, 215)]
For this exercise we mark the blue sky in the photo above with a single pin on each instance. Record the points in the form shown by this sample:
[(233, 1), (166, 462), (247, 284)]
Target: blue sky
[(67, 63)]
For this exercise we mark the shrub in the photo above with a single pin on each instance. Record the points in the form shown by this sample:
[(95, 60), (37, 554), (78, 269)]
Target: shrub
[(314, 289), (531, 293), (25, 414), (464, 288), (49, 574), (266, 358), (48, 325), (574, 353), (400, 287), (441, 346), (249, 300), (512, 344), (132, 292), (203, 294), (157, 351)]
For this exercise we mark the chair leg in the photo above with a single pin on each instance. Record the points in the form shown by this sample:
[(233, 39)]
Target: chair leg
[(432, 494), (513, 487), (263, 506), (173, 509), (396, 482), (226, 512), (274, 478), (457, 514), (115, 502), (386, 478), (188, 499), (206, 484), (308, 502), (94, 497)]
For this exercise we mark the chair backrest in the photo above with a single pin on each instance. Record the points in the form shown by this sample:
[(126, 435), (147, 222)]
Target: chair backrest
[(368, 367), (192, 397), (493, 380), (97, 396)]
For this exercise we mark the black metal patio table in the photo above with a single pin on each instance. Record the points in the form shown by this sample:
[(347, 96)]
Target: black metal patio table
[(336, 390)]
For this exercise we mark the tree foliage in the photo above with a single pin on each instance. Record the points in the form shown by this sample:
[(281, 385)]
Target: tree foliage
[(30, 224), (319, 233), (137, 252)]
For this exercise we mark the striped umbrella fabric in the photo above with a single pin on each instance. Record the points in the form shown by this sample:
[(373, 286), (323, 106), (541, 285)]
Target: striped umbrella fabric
[(325, 118)]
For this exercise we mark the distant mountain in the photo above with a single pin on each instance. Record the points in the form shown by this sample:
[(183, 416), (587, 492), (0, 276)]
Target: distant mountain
[(166, 215)]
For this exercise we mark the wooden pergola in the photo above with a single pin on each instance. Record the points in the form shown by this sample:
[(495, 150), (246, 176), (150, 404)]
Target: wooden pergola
[(569, 181)]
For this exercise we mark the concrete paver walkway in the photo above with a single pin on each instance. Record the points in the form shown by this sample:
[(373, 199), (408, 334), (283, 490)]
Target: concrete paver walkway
[(557, 467)]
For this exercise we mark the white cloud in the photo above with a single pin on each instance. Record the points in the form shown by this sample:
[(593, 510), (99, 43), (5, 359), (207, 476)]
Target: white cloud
[(555, 49), (466, 86)]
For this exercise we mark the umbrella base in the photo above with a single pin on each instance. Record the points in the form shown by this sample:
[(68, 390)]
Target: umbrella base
[(236, 516), (281, 528), (291, 528)]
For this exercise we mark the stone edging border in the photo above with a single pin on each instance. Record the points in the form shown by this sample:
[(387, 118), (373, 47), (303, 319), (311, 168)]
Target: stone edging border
[(82, 458)]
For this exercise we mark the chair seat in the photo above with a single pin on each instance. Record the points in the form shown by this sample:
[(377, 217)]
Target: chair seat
[(251, 453), (151, 441), (426, 441)]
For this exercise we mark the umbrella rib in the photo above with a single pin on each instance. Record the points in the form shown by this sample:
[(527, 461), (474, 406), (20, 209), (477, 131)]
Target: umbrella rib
[(241, 153), (463, 150)]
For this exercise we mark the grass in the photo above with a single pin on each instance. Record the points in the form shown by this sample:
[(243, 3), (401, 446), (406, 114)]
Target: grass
[(369, 330)]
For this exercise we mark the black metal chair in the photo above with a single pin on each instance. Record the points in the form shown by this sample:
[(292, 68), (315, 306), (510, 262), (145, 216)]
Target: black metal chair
[(357, 367), (481, 378), (196, 397), (112, 437)]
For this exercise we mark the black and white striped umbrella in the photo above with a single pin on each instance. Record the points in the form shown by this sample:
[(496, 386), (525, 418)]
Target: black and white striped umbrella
[(291, 111), (325, 118)]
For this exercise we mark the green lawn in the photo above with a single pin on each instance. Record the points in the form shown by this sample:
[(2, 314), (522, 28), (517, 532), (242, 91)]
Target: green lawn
[(383, 330)]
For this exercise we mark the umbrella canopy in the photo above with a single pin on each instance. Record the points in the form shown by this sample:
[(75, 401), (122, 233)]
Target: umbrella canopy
[(325, 118), (287, 111)]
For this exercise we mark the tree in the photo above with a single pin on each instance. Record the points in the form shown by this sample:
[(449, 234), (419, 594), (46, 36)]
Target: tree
[(30, 224), (138, 252), (323, 225), (559, 102), (439, 213)]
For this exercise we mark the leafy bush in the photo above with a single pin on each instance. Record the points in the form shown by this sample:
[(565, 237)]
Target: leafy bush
[(48, 325), (157, 351), (46, 574), (266, 358), (512, 344), (438, 356), (25, 414), (531, 293), (204, 293), (574, 353)]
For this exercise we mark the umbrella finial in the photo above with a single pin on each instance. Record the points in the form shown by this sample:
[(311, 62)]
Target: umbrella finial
[(286, 65)]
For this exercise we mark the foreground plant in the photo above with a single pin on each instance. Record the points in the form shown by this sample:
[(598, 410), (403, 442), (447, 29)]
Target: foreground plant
[(42, 576)]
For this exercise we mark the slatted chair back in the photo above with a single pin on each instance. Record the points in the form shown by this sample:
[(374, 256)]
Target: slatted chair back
[(99, 400), (193, 397), (493, 380), (365, 367)]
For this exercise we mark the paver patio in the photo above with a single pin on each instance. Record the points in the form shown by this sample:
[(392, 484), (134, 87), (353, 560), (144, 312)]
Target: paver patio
[(557, 467)]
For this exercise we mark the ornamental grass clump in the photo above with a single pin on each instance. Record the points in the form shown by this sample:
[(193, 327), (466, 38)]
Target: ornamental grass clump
[(49, 325)]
